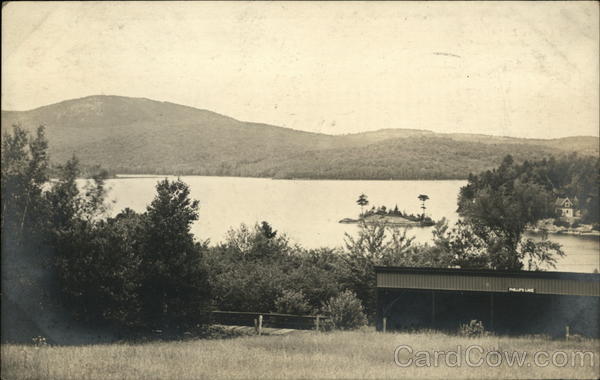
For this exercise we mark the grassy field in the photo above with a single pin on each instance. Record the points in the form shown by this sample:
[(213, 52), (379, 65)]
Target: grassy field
[(356, 354)]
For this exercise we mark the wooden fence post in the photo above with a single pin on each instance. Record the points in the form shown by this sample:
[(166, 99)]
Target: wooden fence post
[(260, 321), (317, 323), (384, 323), (567, 332)]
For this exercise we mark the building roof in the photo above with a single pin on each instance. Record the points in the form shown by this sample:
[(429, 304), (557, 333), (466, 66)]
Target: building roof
[(560, 201), (560, 283), (492, 272)]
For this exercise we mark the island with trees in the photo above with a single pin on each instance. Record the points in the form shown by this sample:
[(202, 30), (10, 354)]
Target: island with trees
[(390, 216)]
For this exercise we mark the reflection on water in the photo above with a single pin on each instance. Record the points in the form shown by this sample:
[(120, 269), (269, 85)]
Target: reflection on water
[(309, 211), (582, 252)]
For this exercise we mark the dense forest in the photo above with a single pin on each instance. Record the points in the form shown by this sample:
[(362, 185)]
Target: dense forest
[(539, 184), (142, 136), (415, 158), (140, 271), (497, 206)]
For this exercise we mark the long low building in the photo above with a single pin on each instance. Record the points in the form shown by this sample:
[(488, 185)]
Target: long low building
[(506, 302)]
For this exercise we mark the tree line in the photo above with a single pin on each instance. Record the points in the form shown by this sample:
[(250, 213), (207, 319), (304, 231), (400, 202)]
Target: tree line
[(146, 270), (412, 158)]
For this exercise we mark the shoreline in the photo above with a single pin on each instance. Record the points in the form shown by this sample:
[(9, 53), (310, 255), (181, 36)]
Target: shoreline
[(129, 175), (566, 231), (398, 221), (548, 226)]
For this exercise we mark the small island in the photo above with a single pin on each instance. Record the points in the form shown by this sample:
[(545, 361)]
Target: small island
[(389, 216)]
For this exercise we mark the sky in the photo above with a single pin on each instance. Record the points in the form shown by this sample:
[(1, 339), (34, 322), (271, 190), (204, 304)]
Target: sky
[(522, 69)]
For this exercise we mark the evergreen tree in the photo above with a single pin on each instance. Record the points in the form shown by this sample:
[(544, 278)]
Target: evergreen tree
[(423, 198), (362, 201), (175, 289), (267, 230)]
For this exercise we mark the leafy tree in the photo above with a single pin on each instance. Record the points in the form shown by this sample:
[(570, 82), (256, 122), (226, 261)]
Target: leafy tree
[(246, 286), (136, 270), (96, 260), (257, 243), (67, 202), (362, 255), (292, 302), (249, 272), (537, 255), (64, 198), (379, 244), (24, 172), (468, 250), (317, 274), (497, 206), (99, 269), (371, 241), (250, 269), (56, 217)]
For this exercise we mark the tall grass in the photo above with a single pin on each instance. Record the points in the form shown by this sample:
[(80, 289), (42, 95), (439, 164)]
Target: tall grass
[(354, 354)]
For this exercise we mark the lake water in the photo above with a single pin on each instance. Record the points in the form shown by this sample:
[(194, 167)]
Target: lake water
[(308, 211)]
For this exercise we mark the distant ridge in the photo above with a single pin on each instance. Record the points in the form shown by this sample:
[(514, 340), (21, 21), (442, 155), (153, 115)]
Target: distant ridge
[(144, 136)]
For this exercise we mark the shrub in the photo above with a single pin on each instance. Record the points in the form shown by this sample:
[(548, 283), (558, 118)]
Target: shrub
[(472, 329), (39, 341), (427, 221), (561, 223), (575, 224), (292, 302), (345, 311)]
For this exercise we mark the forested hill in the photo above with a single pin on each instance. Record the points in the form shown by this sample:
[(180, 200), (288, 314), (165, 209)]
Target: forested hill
[(134, 135)]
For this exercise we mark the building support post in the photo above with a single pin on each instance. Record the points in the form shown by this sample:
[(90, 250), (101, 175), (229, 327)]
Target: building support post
[(433, 308), (380, 306), (492, 311)]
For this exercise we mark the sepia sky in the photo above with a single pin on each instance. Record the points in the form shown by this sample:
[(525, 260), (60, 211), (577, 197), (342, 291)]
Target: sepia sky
[(524, 69)]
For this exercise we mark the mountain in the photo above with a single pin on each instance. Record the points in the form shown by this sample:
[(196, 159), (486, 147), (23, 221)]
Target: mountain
[(136, 135)]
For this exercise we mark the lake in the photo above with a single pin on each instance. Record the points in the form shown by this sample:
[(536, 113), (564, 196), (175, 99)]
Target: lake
[(308, 211)]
